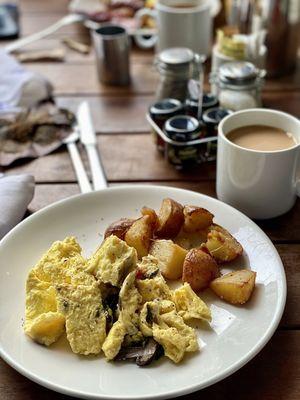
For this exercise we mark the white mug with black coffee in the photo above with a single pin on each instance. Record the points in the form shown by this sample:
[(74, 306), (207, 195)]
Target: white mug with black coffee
[(258, 162)]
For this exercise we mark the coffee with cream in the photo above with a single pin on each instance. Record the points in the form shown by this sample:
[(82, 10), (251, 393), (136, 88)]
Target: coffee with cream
[(262, 138)]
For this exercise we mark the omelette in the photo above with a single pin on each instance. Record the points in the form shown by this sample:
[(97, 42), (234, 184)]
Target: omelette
[(109, 302)]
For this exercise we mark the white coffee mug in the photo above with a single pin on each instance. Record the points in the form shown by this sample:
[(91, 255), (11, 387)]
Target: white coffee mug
[(180, 23), (262, 184)]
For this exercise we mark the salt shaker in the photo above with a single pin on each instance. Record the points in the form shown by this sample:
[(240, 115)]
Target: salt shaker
[(238, 85), (177, 65)]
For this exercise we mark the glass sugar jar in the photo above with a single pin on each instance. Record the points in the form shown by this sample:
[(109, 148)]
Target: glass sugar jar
[(176, 66), (239, 85)]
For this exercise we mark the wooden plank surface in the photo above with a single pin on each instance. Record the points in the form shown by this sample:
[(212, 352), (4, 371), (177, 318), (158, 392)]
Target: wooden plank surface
[(73, 57), (126, 158), (43, 7), (144, 80), (73, 79), (129, 156), (274, 374), (32, 23), (114, 114)]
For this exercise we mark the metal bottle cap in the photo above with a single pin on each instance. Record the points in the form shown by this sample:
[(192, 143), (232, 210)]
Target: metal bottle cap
[(176, 55), (214, 115), (238, 72), (182, 128), (166, 106)]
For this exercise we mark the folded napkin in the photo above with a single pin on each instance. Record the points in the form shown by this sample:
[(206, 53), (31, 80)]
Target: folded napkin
[(18, 86), (16, 192)]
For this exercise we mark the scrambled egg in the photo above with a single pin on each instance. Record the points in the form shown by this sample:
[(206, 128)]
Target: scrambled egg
[(189, 305), (66, 292), (112, 261), (154, 287), (127, 324), (161, 320), (85, 318), (43, 323), (114, 340), (63, 263)]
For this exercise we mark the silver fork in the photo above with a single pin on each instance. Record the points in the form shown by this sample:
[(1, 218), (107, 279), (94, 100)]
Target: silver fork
[(81, 175)]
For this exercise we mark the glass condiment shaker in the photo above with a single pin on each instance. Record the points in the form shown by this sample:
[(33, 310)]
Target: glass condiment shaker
[(238, 85), (182, 128), (176, 66), (160, 112)]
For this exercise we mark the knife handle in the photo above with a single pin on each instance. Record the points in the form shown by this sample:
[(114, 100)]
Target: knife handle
[(98, 174), (82, 178)]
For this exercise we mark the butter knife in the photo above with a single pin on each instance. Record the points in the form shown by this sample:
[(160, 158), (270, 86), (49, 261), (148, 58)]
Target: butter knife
[(88, 138)]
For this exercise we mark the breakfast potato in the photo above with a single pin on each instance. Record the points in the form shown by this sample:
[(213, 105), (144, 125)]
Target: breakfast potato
[(152, 214), (235, 287), (170, 257), (222, 245), (199, 269), (190, 240), (139, 235), (119, 228), (196, 218), (170, 218)]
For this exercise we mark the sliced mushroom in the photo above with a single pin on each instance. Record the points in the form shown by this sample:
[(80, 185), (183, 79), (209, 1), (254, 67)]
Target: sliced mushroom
[(143, 355)]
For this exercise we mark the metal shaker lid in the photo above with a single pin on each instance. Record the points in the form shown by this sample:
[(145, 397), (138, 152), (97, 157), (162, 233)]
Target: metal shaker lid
[(176, 55), (238, 72), (165, 107)]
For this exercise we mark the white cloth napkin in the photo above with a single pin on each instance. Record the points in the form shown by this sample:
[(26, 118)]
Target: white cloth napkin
[(18, 86), (16, 192)]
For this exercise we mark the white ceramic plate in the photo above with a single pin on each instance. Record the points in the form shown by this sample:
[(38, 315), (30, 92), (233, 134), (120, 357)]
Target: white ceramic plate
[(237, 333)]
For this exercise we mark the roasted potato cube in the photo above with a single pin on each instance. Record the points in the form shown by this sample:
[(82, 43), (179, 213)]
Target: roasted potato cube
[(139, 235), (235, 287), (190, 240), (222, 245), (152, 214), (196, 218), (170, 257), (119, 228), (170, 219), (199, 269)]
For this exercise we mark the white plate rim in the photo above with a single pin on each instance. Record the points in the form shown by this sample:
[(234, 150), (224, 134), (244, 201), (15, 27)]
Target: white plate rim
[(169, 394)]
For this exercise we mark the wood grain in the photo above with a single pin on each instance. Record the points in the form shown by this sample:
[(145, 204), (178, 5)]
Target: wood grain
[(274, 374), (75, 79), (144, 80), (129, 155), (32, 23), (43, 7), (289, 103), (125, 157), (73, 57), (114, 114)]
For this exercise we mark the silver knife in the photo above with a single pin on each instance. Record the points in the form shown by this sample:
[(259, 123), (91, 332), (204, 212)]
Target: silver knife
[(88, 138), (82, 178)]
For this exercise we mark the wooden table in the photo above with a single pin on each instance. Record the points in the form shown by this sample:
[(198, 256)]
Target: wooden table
[(130, 156)]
